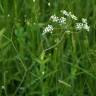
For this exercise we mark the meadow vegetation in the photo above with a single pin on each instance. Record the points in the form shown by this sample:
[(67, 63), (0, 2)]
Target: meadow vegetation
[(45, 53)]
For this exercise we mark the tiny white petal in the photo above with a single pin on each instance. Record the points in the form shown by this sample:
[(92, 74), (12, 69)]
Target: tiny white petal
[(43, 73), (49, 4), (33, 0), (3, 87)]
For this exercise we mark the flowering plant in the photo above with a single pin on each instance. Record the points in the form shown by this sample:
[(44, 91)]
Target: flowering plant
[(65, 21)]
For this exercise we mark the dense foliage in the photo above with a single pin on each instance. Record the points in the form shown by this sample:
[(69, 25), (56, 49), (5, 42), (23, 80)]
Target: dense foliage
[(56, 64)]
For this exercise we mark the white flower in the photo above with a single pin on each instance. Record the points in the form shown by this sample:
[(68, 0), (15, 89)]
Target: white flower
[(8, 15), (54, 18), (84, 20), (62, 20), (48, 29), (33, 0), (49, 4), (43, 72), (82, 25), (69, 14), (79, 26), (64, 12), (86, 27), (73, 16), (3, 87)]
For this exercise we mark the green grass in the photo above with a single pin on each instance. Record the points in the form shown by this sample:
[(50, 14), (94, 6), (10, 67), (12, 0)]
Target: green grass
[(31, 65)]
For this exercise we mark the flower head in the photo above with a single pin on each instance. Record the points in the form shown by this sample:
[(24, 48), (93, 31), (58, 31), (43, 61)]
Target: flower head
[(79, 26), (62, 20), (83, 25), (64, 12), (84, 20), (47, 29), (86, 27), (73, 16), (54, 18)]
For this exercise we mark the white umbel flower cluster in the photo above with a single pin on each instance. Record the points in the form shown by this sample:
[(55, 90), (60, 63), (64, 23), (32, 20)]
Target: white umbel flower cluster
[(64, 12), (69, 14), (47, 29), (54, 18), (62, 20), (67, 23), (73, 16), (58, 20), (85, 24), (82, 25), (79, 26)]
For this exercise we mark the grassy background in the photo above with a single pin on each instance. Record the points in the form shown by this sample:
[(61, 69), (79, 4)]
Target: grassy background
[(27, 68)]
